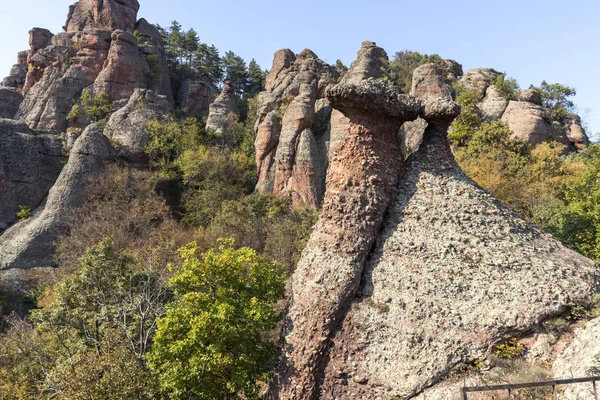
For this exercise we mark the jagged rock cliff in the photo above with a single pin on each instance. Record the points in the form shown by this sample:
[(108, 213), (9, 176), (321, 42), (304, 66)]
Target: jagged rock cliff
[(292, 130), (97, 51), (385, 305)]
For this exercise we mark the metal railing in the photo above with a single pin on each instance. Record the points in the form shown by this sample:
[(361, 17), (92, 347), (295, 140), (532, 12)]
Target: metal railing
[(512, 387)]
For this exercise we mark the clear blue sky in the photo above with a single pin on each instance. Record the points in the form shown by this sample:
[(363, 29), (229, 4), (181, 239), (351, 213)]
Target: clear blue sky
[(531, 40)]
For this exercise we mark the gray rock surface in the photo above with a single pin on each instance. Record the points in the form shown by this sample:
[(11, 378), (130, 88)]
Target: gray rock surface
[(30, 163), (127, 125), (580, 358), (39, 38), (10, 100), (153, 50), (30, 243), (531, 96), (478, 79), (530, 123), (493, 105), (223, 112)]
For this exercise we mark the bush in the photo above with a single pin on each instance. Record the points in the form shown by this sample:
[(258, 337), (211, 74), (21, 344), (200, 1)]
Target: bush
[(24, 213), (507, 88), (210, 342), (510, 349)]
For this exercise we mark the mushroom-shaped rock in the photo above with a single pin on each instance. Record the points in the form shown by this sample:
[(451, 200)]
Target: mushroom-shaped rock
[(360, 182), (127, 126), (30, 243), (224, 111)]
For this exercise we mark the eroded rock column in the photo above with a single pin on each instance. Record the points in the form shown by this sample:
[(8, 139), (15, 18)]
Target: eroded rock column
[(360, 183)]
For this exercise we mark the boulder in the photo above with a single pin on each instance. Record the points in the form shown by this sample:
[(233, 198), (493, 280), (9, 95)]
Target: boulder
[(16, 77), (531, 96), (575, 132), (454, 70), (581, 358), (478, 79), (102, 14), (195, 97), (429, 82), (493, 105), (223, 112), (39, 38), (127, 126), (10, 100), (31, 243), (30, 163), (530, 123), (293, 121)]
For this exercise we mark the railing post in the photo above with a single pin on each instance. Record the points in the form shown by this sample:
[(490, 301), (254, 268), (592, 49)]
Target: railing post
[(595, 392), (464, 393), (554, 392), (509, 394)]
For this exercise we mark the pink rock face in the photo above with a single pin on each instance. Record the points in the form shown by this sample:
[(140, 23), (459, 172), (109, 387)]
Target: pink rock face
[(530, 123), (195, 97), (124, 70), (292, 129), (575, 132), (39, 38), (102, 14)]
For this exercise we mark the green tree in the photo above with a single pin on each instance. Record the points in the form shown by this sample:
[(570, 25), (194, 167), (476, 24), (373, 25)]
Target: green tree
[(210, 342), (506, 87), (399, 71), (256, 79), (235, 71), (340, 67), (208, 63), (556, 97)]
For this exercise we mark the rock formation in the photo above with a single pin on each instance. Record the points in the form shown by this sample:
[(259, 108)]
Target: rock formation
[(386, 313), (127, 126), (223, 109), (30, 243), (98, 51), (102, 14), (18, 73), (30, 163), (10, 100), (292, 129), (195, 97)]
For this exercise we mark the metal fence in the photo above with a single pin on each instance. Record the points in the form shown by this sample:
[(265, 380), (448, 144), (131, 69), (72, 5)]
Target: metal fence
[(511, 388)]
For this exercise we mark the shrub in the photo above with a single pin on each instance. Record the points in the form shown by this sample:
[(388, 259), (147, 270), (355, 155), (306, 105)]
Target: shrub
[(24, 213), (210, 342), (510, 349), (507, 88)]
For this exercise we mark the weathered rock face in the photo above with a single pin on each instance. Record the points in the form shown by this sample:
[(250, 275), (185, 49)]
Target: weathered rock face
[(127, 126), (531, 96), (580, 358), (575, 132), (102, 14), (451, 274), (98, 51), (10, 99), (493, 105), (478, 79), (195, 97), (39, 38), (360, 183), (30, 163), (223, 109), (292, 129), (30, 243), (367, 65), (125, 68), (429, 82), (529, 122)]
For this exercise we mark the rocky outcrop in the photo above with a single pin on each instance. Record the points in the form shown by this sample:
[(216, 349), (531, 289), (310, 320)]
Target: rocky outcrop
[(127, 126), (30, 243), (10, 100), (223, 112), (529, 122), (385, 306), (39, 38), (429, 82), (478, 79), (18, 72), (531, 96), (292, 128), (575, 132), (98, 52), (581, 358), (30, 163), (367, 64), (195, 97), (493, 105), (106, 15)]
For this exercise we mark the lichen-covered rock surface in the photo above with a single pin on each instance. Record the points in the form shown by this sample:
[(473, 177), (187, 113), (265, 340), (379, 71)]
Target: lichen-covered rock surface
[(223, 112), (30, 243)]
